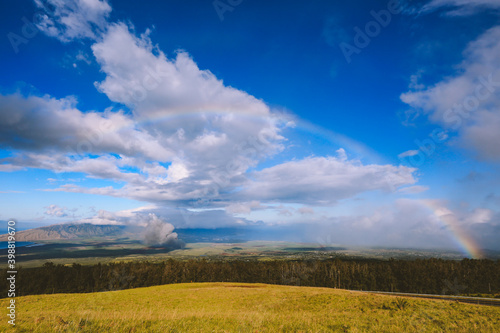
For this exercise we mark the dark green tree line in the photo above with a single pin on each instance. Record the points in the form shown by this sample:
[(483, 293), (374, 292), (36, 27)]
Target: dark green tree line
[(430, 276)]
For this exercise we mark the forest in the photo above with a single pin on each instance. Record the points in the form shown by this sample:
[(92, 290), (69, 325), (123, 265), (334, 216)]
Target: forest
[(429, 276)]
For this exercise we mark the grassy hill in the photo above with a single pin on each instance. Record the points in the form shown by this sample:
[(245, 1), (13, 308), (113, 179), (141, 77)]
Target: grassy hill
[(238, 307)]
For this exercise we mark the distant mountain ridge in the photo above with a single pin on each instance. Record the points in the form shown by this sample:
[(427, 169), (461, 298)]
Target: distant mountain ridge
[(88, 230), (67, 231)]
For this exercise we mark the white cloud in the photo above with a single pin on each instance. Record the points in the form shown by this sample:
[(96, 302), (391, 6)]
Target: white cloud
[(46, 123), (154, 230), (178, 217), (7, 167), (306, 211), (177, 171), (469, 102), (408, 153), (140, 75), (479, 215), (244, 207), (461, 7), (484, 134), (73, 19), (324, 180), (56, 211)]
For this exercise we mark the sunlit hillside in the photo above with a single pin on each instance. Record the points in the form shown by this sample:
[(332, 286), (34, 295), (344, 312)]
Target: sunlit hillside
[(238, 307)]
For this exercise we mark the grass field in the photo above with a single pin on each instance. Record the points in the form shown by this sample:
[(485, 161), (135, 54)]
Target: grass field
[(238, 307)]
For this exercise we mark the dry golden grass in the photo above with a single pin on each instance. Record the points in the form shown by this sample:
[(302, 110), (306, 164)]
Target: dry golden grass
[(237, 307)]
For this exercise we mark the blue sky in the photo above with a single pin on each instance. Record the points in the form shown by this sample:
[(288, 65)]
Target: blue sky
[(375, 123)]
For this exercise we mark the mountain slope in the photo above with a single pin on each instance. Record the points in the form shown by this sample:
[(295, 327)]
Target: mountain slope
[(67, 231)]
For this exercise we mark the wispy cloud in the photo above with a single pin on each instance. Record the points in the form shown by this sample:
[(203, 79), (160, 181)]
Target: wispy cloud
[(468, 102), (461, 7), (408, 153), (57, 211), (73, 19)]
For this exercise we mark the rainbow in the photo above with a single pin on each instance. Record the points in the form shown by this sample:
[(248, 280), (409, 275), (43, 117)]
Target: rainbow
[(335, 139), (460, 237)]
